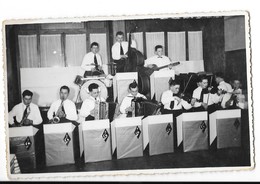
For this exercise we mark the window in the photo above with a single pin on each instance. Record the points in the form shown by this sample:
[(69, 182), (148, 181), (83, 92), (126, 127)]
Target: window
[(28, 51), (195, 45), (101, 39), (75, 49), (153, 39), (50, 48), (176, 46)]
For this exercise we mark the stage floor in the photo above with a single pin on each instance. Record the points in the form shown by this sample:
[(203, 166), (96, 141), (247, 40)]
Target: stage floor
[(208, 158)]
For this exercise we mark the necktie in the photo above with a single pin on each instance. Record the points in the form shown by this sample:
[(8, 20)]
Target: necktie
[(159, 56), (172, 102), (95, 60), (203, 91), (25, 111), (121, 50)]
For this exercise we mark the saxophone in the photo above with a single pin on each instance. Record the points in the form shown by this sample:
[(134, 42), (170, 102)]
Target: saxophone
[(25, 117), (100, 110), (56, 117)]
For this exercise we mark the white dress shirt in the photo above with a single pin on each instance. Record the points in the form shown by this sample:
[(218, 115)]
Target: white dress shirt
[(225, 86), (18, 111), (167, 98), (88, 105), (89, 59), (116, 50), (158, 61), (127, 101), (69, 108), (207, 98)]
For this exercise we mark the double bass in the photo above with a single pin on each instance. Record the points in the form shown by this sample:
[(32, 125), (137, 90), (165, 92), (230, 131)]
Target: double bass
[(135, 58)]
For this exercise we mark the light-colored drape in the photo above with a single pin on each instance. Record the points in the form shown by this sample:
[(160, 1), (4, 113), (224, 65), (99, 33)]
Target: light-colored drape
[(195, 45), (51, 55), (75, 49), (28, 51), (176, 46), (153, 39), (138, 38), (101, 39)]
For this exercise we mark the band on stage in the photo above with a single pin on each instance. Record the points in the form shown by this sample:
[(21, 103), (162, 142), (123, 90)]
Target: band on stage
[(209, 91)]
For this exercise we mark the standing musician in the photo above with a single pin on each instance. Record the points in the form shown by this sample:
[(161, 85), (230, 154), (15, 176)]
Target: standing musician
[(126, 105), (88, 106), (62, 110), (25, 113), (119, 50), (92, 63), (201, 97), (171, 99), (158, 59)]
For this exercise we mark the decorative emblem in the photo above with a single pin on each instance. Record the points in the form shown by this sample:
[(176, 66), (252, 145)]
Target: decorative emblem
[(27, 143), (137, 132), (67, 139), (203, 126), (105, 135), (237, 123), (169, 128)]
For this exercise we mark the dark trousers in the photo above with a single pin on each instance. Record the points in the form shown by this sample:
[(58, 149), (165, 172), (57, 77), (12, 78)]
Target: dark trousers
[(120, 65), (174, 112)]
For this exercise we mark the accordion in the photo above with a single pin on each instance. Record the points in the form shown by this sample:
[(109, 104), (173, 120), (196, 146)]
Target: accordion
[(101, 110), (143, 107)]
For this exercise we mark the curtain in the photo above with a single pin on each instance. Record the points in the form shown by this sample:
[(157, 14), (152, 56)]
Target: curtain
[(176, 46), (138, 39), (195, 45), (101, 39), (51, 55), (75, 49), (28, 51), (153, 39)]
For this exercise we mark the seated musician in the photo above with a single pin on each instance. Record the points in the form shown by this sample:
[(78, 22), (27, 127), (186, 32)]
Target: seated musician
[(119, 50), (201, 97), (62, 110), (224, 87), (171, 99), (92, 63), (158, 59), (88, 106), (126, 105), (25, 113), (237, 99)]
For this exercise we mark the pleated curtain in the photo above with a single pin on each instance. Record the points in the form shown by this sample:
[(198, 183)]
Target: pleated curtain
[(153, 39), (176, 46), (195, 45)]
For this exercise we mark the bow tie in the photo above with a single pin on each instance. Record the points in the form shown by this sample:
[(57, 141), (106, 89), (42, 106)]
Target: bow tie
[(159, 56)]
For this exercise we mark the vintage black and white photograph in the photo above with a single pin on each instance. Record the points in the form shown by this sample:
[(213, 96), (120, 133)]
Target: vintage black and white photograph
[(140, 93)]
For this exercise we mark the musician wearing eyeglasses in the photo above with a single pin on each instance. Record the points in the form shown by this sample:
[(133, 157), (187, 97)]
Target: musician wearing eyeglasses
[(172, 100), (87, 110), (62, 110), (25, 113), (126, 106), (92, 62), (158, 60)]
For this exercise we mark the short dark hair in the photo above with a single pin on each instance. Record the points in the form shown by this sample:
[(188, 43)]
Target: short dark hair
[(158, 47), (92, 86), (119, 33), (65, 87), (94, 44), (133, 85), (174, 83), (219, 74), (27, 93), (201, 78)]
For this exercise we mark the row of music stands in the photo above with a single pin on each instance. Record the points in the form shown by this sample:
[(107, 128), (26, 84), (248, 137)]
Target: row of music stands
[(128, 137)]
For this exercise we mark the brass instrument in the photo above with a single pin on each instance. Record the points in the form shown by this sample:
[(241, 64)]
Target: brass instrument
[(56, 117), (101, 110), (25, 118)]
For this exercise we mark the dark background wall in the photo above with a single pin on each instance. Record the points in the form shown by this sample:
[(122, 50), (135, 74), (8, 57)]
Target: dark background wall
[(217, 54)]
